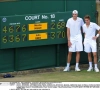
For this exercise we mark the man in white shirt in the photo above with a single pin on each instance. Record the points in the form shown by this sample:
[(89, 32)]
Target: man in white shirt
[(90, 45), (74, 36)]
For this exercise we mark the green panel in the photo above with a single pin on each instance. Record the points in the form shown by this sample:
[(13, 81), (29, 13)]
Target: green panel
[(20, 7), (83, 58), (15, 8), (84, 7), (90, 9), (16, 30), (35, 57), (6, 60), (63, 51), (48, 6), (72, 5)]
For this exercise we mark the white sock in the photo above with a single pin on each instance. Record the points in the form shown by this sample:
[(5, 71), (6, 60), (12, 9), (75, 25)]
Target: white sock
[(95, 65), (90, 64), (77, 65), (68, 64)]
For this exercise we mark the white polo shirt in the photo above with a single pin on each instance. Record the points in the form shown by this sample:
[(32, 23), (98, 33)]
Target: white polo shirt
[(91, 30), (74, 26)]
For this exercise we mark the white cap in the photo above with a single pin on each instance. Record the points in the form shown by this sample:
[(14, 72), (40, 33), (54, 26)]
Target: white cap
[(75, 12)]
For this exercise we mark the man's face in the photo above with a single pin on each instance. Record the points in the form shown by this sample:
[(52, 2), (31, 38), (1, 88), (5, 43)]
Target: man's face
[(87, 21), (75, 15)]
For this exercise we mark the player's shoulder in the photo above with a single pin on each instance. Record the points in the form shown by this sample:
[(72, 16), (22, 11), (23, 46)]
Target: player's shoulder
[(70, 19), (92, 23), (84, 25), (79, 18)]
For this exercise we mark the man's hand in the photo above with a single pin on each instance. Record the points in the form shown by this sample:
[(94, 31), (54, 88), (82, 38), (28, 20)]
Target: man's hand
[(94, 38), (69, 44)]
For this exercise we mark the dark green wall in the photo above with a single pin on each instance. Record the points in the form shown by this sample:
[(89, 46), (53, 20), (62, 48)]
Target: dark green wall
[(41, 56), (31, 7), (84, 7)]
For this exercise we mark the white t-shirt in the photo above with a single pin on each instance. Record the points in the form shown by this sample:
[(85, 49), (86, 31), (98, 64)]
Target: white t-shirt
[(91, 30), (74, 26)]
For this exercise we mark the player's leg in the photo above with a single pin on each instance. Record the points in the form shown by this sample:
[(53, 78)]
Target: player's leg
[(68, 61), (90, 62), (94, 50), (87, 49), (67, 68), (79, 48), (71, 49), (95, 62), (77, 61), (69, 57)]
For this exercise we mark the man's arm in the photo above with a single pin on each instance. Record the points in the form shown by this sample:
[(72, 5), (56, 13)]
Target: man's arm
[(68, 34), (98, 33), (97, 28), (82, 31), (68, 37), (84, 35)]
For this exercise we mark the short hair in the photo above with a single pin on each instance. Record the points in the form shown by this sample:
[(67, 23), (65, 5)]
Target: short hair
[(87, 17)]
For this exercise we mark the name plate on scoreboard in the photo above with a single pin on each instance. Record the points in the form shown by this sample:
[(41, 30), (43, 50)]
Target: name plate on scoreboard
[(38, 36), (33, 30), (38, 26)]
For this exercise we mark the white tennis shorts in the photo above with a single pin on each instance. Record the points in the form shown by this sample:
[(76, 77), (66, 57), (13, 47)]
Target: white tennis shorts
[(76, 44), (90, 46)]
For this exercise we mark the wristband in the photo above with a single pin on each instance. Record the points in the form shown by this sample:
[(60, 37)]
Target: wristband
[(97, 35)]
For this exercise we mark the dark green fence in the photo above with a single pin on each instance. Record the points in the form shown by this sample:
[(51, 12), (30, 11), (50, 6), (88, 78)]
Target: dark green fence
[(29, 57)]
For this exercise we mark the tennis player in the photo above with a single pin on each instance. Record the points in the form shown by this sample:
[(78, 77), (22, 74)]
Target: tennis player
[(90, 45), (74, 36)]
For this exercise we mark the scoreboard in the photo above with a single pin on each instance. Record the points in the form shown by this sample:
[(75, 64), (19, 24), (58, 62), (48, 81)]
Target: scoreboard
[(33, 29)]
